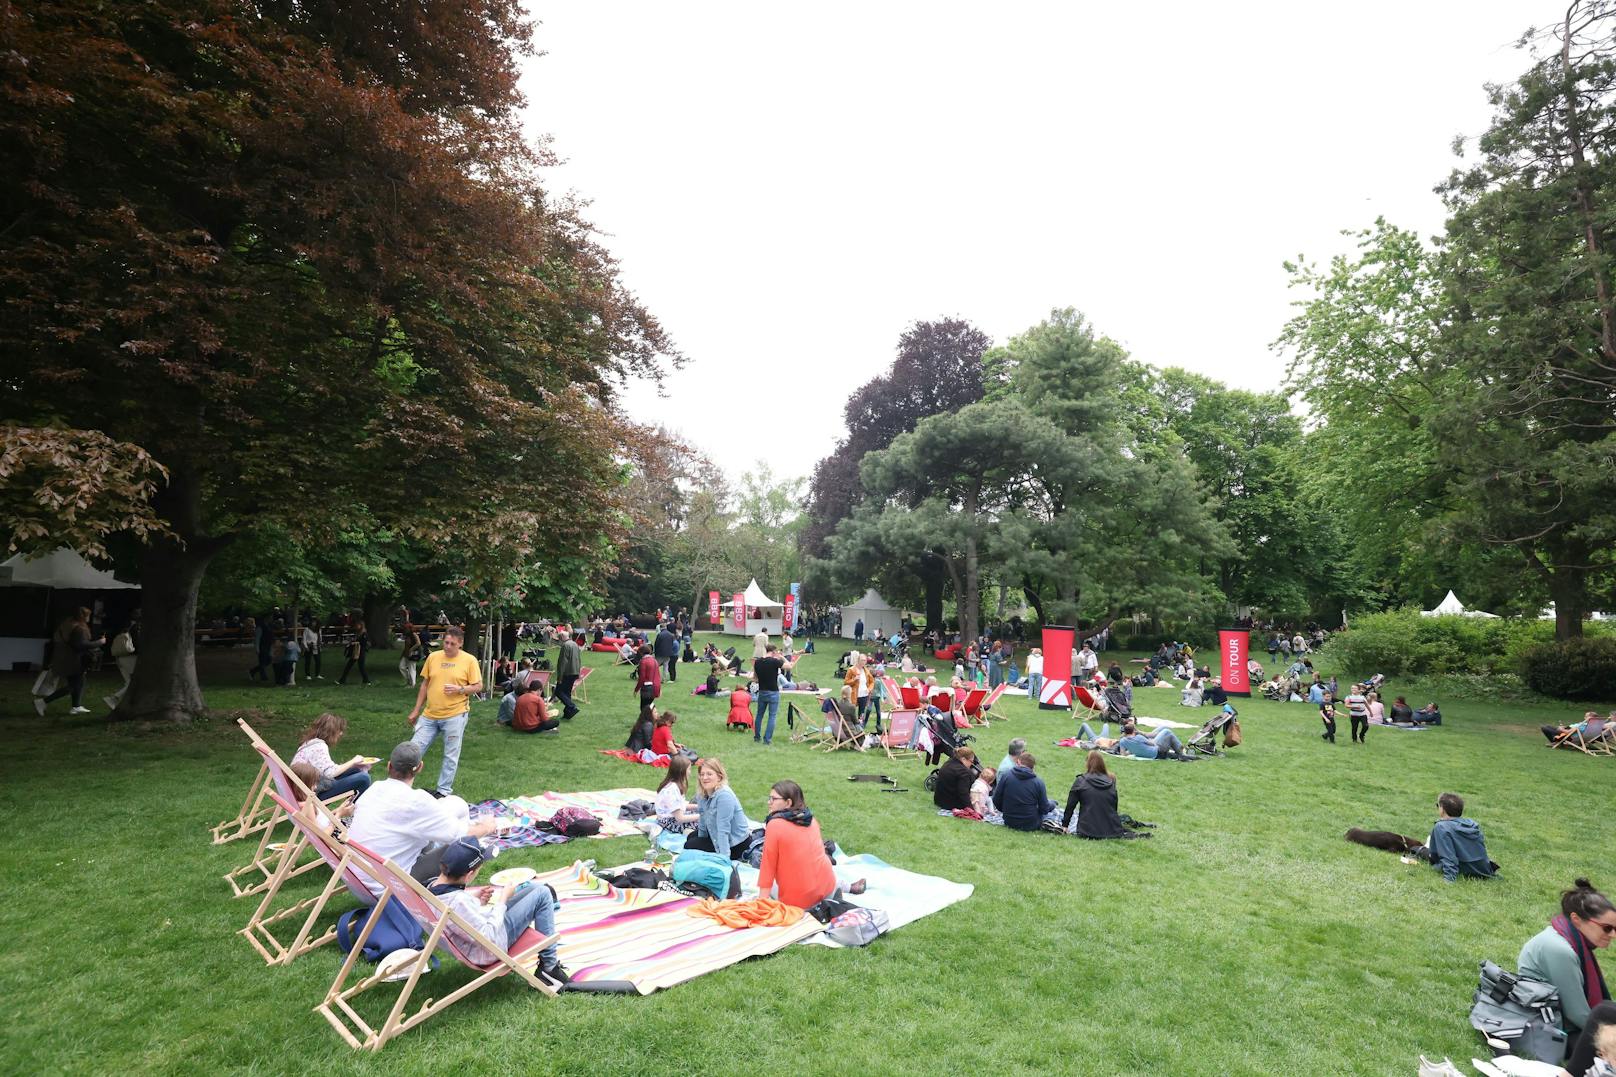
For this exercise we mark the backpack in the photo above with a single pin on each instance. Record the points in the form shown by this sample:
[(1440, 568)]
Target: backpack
[(574, 823), (637, 878), (709, 872), (123, 645), (1524, 1013), (396, 930)]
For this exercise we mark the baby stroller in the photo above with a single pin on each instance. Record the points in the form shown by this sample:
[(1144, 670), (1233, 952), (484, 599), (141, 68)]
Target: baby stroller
[(1117, 706), (945, 734), (1274, 690), (1225, 721)]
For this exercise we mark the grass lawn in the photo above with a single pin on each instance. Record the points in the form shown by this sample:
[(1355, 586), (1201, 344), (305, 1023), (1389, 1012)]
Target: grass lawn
[(1245, 937)]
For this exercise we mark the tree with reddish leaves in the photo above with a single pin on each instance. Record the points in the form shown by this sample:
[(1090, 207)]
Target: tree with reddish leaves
[(938, 370), (298, 252)]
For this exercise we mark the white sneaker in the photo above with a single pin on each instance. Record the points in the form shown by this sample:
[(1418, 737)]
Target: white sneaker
[(39, 706), (78, 710)]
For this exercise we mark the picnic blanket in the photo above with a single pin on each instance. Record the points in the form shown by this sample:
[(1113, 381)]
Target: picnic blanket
[(517, 837), (636, 757), (602, 804), (905, 896), (639, 941)]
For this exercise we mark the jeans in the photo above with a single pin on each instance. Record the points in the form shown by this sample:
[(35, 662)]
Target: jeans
[(531, 906), (355, 781), (563, 694), (311, 661), (1085, 733), (1035, 686), (452, 730), (360, 661), (771, 700), (74, 684), (1167, 743)]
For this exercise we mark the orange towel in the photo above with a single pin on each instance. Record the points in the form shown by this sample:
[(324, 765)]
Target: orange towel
[(758, 912)]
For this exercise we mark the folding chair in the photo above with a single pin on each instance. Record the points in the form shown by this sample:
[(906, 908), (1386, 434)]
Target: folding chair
[(1601, 743), (843, 732), (578, 691), (1082, 697), (257, 812), (521, 957), (805, 729), (253, 876), (969, 712), (307, 831), (900, 731), (543, 677), (976, 709)]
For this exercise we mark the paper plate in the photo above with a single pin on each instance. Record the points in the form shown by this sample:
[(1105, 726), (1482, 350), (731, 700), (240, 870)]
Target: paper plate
[(370, 760), (512, 876), (274, 847)]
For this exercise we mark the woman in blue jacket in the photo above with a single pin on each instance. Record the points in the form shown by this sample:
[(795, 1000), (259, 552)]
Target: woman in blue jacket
[(722, 827)]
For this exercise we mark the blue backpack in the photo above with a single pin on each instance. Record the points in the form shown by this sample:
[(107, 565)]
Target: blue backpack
[(396, 930), (711, 872)]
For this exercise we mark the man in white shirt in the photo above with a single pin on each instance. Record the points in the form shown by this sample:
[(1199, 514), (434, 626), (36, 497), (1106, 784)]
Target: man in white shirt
[(1087, 663), (410, 826), (760, 644)]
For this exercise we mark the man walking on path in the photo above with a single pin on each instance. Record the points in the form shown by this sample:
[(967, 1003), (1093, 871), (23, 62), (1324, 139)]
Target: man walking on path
[(449, 679), (569, 665)]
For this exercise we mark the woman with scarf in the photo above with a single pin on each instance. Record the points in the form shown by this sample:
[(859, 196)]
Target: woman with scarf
[(1562, 954), (794, 860)]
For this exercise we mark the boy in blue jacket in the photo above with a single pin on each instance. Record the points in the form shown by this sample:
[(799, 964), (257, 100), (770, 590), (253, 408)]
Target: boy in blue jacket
[(1020, 795), (1456, 846)]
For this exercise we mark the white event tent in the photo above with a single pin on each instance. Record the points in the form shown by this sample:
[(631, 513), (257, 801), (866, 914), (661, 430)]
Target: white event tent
[(41, 591), (762, 612), (880, 619), (1452, 607)]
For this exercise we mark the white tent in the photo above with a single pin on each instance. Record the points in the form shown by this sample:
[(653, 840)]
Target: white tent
[(762, 612), (30, 610), (1452, 607), (880, 619)]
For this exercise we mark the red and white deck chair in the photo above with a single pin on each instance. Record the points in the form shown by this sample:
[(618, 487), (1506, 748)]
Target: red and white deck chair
[(900, 731), (969, 711), (1082, 697), (324, 835), (578, 685), (253, 877), (977, 703), (909, 696), (521, 957)]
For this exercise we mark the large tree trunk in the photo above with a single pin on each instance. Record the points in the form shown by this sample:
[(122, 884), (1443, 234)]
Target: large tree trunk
[(378, 611), (164, 687), (1567, 593), (970, 602), (1034, 600), (933, 573)]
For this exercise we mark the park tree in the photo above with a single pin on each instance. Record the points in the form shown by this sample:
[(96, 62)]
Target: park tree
[(299, 255), (937, 371)]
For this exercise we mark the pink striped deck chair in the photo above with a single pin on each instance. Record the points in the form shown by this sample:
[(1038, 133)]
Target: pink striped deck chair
[(522, 957), (900, 730), (309, 831), (578, 685), (253, 876)]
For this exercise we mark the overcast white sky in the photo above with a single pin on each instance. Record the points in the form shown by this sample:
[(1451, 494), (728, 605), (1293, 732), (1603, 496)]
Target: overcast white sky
[(789, 186)]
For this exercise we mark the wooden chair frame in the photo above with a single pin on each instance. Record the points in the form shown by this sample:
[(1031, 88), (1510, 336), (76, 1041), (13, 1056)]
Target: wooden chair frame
[(434, 915), (254, 876), (896, 743), (332, 851)]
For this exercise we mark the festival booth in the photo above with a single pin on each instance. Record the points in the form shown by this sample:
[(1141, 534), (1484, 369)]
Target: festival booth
[(41, 592), (1452, 607), (762, 612), (880, 619)]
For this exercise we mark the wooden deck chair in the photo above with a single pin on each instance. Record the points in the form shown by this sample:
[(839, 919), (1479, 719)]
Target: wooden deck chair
[(308, 832), (900, 731), (253, 877), (1082, 697), (980, 715), (806, 728), (843, 732), (522, 958), (1600, 743), (257, 811), (578, 691), (970, 708), (543, 677)]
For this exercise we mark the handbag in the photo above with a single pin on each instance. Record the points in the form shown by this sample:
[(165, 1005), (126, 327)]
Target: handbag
[(46, 683), (1523, 1013)]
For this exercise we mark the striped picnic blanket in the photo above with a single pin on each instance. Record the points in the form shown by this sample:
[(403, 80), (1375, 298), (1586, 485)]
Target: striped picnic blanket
[(641, 941), (603, 804)]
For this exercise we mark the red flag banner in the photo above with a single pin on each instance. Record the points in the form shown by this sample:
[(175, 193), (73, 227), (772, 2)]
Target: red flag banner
[(1234, 646), (714, 617), (740, 611), (789, 619), (1057, 690)]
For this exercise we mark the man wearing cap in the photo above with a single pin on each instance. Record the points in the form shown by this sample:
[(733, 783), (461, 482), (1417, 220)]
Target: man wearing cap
[(499, 913), (410, 826), (449, 678)]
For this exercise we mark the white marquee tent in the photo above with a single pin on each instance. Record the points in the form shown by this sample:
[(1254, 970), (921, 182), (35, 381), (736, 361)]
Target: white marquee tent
[(1452, 607), (880, 619), (36, 597), (762, 612)]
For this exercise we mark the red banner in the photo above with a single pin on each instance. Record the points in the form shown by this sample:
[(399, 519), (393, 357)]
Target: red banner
[(791, 612), (740, 611), (1057, 690), (714, 617), (1235, 646)]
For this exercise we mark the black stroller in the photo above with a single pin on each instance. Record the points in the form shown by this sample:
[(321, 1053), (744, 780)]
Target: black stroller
[(945, 736), (1117, 706), (1226, 722)]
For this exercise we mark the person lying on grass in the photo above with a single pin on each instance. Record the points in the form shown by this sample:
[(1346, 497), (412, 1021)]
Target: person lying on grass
[(499, 913), (1163, 744)]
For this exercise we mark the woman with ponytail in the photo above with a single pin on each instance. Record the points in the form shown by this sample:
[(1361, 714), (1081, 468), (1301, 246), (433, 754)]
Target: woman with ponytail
[(1562, 954)]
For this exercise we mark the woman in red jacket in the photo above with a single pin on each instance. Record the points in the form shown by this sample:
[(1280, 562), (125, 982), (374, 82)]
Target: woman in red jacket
[(740, 710), (794, 860)]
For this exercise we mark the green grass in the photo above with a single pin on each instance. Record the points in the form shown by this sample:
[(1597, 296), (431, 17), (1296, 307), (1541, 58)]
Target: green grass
[(1245, 937)]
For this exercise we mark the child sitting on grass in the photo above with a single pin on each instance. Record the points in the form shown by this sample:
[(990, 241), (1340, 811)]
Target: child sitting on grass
[(499, 913), (674, 812)]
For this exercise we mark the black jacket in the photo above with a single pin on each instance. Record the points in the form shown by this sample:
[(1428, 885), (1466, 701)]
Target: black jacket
[(1095, 798), (954, 785), (666, 646)]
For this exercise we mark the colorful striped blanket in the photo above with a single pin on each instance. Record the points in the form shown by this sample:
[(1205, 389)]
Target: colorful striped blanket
[(641, 941), (602, 804)]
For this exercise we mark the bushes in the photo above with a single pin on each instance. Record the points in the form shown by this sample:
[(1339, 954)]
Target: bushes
[(1403, 642), (1571, 669)]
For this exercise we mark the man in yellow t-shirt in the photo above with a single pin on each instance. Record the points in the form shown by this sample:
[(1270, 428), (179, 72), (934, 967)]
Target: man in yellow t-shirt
[(449, 679)]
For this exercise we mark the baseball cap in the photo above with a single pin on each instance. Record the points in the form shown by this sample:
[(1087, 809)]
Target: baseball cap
[(405, 757), (461, 857)]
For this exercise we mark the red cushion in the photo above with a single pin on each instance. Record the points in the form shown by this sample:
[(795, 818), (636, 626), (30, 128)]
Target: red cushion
[(608, 648)]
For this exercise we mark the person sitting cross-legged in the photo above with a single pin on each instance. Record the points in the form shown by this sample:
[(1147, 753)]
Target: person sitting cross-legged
[(499, 913), (1094, 797), (1020, 795)]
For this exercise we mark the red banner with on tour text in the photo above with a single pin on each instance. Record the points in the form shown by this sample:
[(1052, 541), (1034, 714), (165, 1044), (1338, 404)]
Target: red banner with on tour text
[(1233, 646)]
